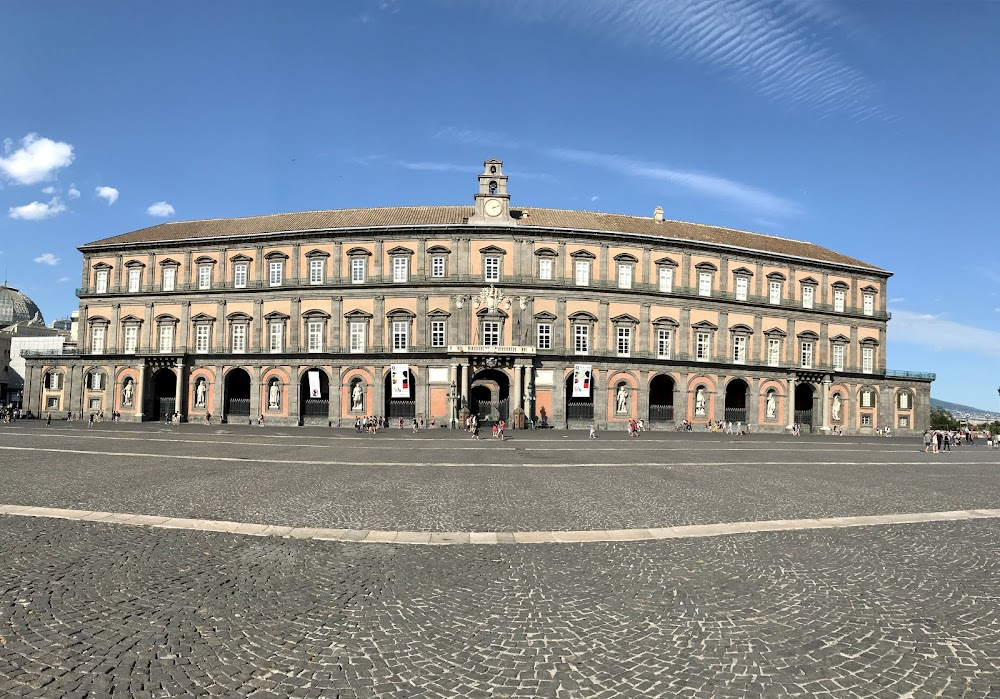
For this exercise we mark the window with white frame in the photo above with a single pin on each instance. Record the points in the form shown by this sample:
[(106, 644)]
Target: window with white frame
[(806, 354), (314, 335), (867, 360), (739, 349), (866, 420), (54, 381), (437, 333), (808, 295), (624, 341), (437, 266), (400, 335), (316, 270), (400, 268), (202, 337), (131, 341), (839, 295), (101, 281), (240, 270), (274, 272), (624, 276), (491, 268), (867, 398), (96, 381), (491, 333), (169, 278), (205, 276), (97, 339), (774, 292), (358, 335), (773, 351), (703, 346), (134, 279), (666, 279), (545, 268), (581, 339), (869, 304), (275, 337), (239, 344), (358, 270), (582, 272), (838, 357), (166, 337), (544, 336), (704, 283), (742, 286), (664, 343)]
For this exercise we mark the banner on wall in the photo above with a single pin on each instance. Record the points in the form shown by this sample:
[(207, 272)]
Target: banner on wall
[(582, 374), (314, 390), (400, 380)]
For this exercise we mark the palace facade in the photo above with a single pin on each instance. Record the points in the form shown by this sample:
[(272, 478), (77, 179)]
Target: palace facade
[(560, 317)]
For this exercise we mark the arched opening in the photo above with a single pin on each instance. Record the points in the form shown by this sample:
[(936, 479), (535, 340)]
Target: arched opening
[(400, 406), (736, 400), (804, 396), (580, 407), (489, 395), (237, 395), (314, 401), (164, 394), (661, 398)]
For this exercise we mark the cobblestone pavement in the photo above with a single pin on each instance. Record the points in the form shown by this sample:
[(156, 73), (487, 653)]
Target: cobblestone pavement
[(92, 610), (445, 482)]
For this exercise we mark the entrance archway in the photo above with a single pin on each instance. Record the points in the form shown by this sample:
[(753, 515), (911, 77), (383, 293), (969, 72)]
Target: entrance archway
[(661, 398), (736, 400), (805, 394), (314, 409), (237, 395), (582, 407), (400, 407), (164, 396), (489, 395)]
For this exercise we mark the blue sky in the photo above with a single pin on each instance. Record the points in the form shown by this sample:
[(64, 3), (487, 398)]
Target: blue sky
[(869, 128)]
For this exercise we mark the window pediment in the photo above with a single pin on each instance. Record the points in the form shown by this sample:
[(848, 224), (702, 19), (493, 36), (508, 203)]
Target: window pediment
[(742, 272), (240, 258), (357, 314), (807, 335), (131, 319), (102, 265), (840, 340), (315, 313), (741, 329), (359, 252), (665, 322), (276, 255), (544, 316), (705, 325), (400, 250), (205, 260), (167, 262), (869, 289), (438, 250), (665, 262), (776, 332), (485, 312), (439, 313), (625, 319), (166, 318), (316, 252), (546, 252), (97, 320), (706, 267), (625, 257), (492, 250), (808, 281), (583, 254), (238, 316), (583, 317), (134, 263), (276, 315), (840, 286), (776, 277), (868, 342), (202, 318), (401, 313)]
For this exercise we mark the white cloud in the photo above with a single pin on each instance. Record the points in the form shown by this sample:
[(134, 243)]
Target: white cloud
[(111, 195), (160, 208), (73, 192), (36, 160), (47, 258), (431, 166), (48, 190), (477, 137), (36, 210), (709, 185), (63, 280), (937, 333), (594, 198)]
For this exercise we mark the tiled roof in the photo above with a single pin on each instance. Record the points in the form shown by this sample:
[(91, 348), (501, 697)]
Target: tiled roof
[(458, 215)]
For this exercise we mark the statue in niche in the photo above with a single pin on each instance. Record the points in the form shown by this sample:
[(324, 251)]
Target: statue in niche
[(357, 397), (835, 408), (274, 395), (771, 406), (621, 400), (699, 401), (200, 393), (128, 391)]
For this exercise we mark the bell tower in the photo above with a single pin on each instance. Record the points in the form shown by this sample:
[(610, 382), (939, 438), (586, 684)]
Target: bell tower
[(492, 199)]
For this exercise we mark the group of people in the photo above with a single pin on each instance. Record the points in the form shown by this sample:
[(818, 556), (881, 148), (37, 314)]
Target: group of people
[(635, 427), (373, 423), (8, 414), (943, 440), (728, 427)]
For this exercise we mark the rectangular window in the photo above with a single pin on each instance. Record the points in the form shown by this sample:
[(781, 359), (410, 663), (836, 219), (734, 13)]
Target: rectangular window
[(866, 420), (357, 270), (867, 399), (437, 333), (437, 267), (838, 357), (742, 284), (739, 350), (666, 279), (54, 382), (545, 268), (491, 269), (314, 336), (869, 305), (774, 292), (806, 355), (358, 333), (316, 271), (239, 339), (544, 336), (205, 277), (102, 281), (96, 381), (704, 284), (52, 402), (838, 300), (240, 275), (703, 346), (131, 339), (400, 335), (202, 333), (274, 273), (491, 333), (581, 339), (664, 340), (624, 341), (400, 269), (867, 360), (808, 294), (167, 337), (275, 337), (97, 339), (169, 277), (134, 275), (773, 351), (625, 276), (95, 404), (582, 269)]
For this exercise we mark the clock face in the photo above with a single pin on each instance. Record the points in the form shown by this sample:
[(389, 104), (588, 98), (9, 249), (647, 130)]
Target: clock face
[(493, 207)]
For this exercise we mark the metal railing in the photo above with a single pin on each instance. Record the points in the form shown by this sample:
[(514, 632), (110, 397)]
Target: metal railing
[(900, 374), (579, 411), (661, 413)]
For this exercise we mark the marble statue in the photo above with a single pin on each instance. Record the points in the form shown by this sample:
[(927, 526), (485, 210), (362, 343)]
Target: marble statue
[(274, 396), (699, 401), (358, 397), (127, 391), (200, 393), (622, 399), (835, 409), (771, 405)]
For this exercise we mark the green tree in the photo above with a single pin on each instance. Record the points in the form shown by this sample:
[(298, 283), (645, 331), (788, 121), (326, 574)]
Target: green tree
[(941, 419)]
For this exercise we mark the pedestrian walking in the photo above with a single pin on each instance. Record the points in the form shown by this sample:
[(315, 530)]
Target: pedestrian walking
[(90, 422), (48, 419), (474, 428), (500, 428), (593, 431), (415, 425)]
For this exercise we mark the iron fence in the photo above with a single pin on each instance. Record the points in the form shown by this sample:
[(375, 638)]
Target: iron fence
[(239, 407), (736, 414), (316, 407), (580, 411), (402, 407), (661, 413), (804, 417)]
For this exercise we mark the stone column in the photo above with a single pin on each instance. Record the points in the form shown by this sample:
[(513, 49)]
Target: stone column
[(642, 398), (757, 341), (644, 333), (255, 405), (557, 416), (600, 392), (295, 322), (68, 389), (378, 391), (119, 262), (453, 390), (184, 329), (223, 267), (337, 323), (378, 324), (297, 263), (180, 391), (257, 329), (685, 279), (684, 336), (722, 339), (463, 381), (379, 261), (603, 265), (824, 289), (293, 395), (112, 339), (824, 403), (724, 274), (758, 281), (147, 330), (824, 345), (560, 327), (602, 330), (516, 397), (336, 389), (852, 358), (259, 267), (647, 270), (336, 271), (790, 407), (218, 389), (83, 332), (529, 392), (140, 393), (560, 271)]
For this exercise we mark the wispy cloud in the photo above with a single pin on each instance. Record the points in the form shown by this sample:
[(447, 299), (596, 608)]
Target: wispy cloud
[(777, 46), (73, 192), (47, 258), (37, 210), (713, 186), (432, 166), (937, 333), (37, 160), (477, 137)]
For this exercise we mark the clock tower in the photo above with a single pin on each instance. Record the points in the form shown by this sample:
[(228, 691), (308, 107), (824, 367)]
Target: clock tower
[(492, 200)]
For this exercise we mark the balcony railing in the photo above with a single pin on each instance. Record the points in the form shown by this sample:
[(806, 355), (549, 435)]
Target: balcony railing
[(900, 374)]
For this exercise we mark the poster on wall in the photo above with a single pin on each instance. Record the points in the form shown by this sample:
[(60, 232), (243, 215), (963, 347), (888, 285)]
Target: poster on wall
[(400, 380), (581, 380), (314, 391)]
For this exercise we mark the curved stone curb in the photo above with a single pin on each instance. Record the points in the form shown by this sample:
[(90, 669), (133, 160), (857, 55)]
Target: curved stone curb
[(372, 536)]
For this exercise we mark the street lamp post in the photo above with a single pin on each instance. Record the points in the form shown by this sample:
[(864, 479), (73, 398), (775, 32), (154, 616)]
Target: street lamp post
[(452, 395)]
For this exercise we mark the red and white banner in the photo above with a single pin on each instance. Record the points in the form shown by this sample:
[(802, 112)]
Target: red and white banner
[(582, 374), (314, 390), (400, 380)]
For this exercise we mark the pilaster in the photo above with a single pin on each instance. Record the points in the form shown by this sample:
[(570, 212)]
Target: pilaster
[(602, 329)]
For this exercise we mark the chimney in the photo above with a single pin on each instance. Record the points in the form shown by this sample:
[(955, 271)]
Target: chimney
[(658, 214)]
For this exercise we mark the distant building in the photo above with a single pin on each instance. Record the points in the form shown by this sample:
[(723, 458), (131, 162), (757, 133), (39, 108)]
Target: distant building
[(4, 366), (65, 324), (29, 336)]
